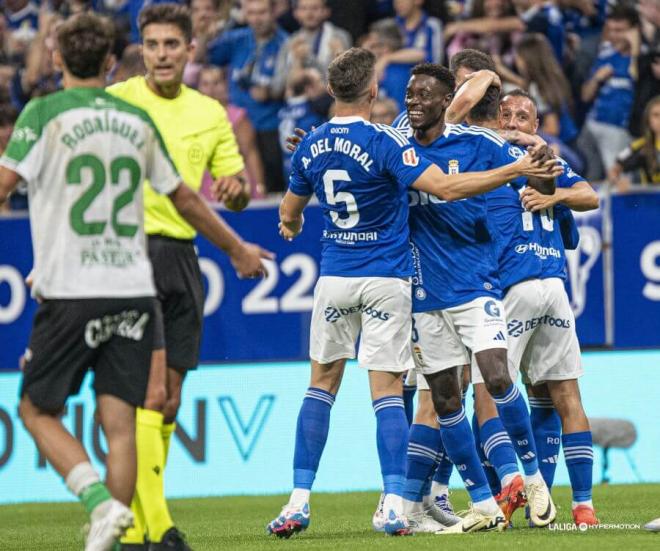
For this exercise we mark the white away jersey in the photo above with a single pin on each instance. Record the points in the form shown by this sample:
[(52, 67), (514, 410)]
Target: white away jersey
[(84, 155)]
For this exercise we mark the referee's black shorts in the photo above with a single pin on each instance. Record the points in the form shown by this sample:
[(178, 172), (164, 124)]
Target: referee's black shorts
[(180, 291)]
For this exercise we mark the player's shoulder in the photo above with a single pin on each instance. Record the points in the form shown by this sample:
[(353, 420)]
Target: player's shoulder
[(198, 103), (388, 134), (476, 133), (126, 88)]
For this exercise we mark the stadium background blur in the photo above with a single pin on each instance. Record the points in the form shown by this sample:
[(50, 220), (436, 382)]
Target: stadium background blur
[(236, 433)]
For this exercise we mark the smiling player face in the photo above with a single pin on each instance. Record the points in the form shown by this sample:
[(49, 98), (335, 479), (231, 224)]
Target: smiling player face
[(426, 101)]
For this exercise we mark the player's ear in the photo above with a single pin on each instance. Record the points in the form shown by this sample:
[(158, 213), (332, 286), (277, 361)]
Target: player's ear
[(329, 90), (536, 125), (58, 62), (110, 62)]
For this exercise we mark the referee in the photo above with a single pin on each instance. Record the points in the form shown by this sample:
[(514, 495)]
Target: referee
[(198, 136)]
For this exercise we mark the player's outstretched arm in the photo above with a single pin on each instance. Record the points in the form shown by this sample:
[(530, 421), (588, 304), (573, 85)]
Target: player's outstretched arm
[(8, 182), (291, 214), (245, 257), (451, 187)]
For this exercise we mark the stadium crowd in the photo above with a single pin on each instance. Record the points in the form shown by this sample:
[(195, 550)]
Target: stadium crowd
[(592, 65)]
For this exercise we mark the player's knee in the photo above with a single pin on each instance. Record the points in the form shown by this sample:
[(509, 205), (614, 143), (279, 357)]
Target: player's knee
[(27, 412)]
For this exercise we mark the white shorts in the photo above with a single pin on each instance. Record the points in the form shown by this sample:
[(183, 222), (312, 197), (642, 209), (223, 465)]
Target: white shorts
[(377, 309), (442, 339), (543, 343)]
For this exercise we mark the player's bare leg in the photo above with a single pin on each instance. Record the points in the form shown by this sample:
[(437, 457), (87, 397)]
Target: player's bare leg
[(110, 518), (577, 447), (514, 415), (311, 435), (499, 452)]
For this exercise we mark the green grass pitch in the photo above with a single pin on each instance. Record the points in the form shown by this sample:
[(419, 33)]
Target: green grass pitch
[(343, 521)]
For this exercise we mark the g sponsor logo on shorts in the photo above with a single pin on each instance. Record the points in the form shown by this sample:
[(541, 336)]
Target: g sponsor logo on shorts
[(129, 324), (517, 327), (332, 314), (492, 309)]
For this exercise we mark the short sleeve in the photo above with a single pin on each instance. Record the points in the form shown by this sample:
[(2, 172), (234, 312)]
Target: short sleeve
[(25, 150), (569, 177), (298, 184), (161, 172), (399, 157), (226, 159)]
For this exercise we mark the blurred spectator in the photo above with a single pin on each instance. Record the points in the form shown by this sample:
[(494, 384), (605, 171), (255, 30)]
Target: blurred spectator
[(422, 36), (640, 163), (384, 111), (543, 78), (39, 77), (251, 54), (22, 18), (384, 40), (491, 28), (648, 63), (131, 64), (611, 86), (543, 16), (213, 83), (8, 115), (209, 18), (355, 16), (299, 111), (316, 44)]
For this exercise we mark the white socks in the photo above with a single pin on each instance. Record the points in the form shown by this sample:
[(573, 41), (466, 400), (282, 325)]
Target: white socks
[(508, 478), (588, 503), (299, 497), (487, 506), (393, 502), (80, 477), (535, 478)]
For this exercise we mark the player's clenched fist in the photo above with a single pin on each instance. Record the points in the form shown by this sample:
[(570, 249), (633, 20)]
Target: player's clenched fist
[(232, 191), (247, 260)]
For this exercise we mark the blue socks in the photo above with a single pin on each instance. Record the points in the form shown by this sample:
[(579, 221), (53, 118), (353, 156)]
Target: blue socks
[(311, 435), (408, 402), (546, 426), (579, 455), (444, 468), (459, 443), (423, 444), (513, 412), (392, 439)]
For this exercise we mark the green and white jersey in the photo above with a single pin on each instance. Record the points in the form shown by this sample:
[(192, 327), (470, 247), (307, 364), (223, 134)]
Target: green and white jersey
[(84, 155)]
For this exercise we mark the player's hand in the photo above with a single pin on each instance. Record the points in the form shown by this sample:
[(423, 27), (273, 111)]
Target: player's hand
[(541, 152), (522, 138), (231, 191), (495, 78), (291, 230), (534, 201), (539, 169), (292, 142), (247, 260)]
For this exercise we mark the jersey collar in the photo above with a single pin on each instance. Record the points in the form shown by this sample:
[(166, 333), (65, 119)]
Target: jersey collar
[(346, 120)]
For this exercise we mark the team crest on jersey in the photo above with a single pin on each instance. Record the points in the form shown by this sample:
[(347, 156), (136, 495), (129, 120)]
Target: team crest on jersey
[(196, 153), (516, 152), (420, 293), (410, 158), (453, 166)]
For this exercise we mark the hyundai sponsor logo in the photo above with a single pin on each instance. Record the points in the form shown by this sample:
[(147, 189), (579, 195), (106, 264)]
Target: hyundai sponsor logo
[(538, 250)]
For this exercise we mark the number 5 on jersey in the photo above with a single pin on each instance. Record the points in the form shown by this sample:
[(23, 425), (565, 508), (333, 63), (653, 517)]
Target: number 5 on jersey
[(329, 179)]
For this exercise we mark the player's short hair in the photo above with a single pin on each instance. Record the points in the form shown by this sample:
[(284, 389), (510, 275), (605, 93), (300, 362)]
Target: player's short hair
[(84, 41), (520, 93), (624, 12), (438, 72), (475, 60), (350, 74), (168, 14)]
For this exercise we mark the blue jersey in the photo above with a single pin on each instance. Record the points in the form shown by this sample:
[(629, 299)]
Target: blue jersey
[(453, 243), (360, 173), (251, 64), (530, 245), (614, 101)]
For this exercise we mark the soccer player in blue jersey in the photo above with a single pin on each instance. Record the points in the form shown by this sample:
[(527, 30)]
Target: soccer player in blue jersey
[(542, 339), (361, 174), (456, 307)]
